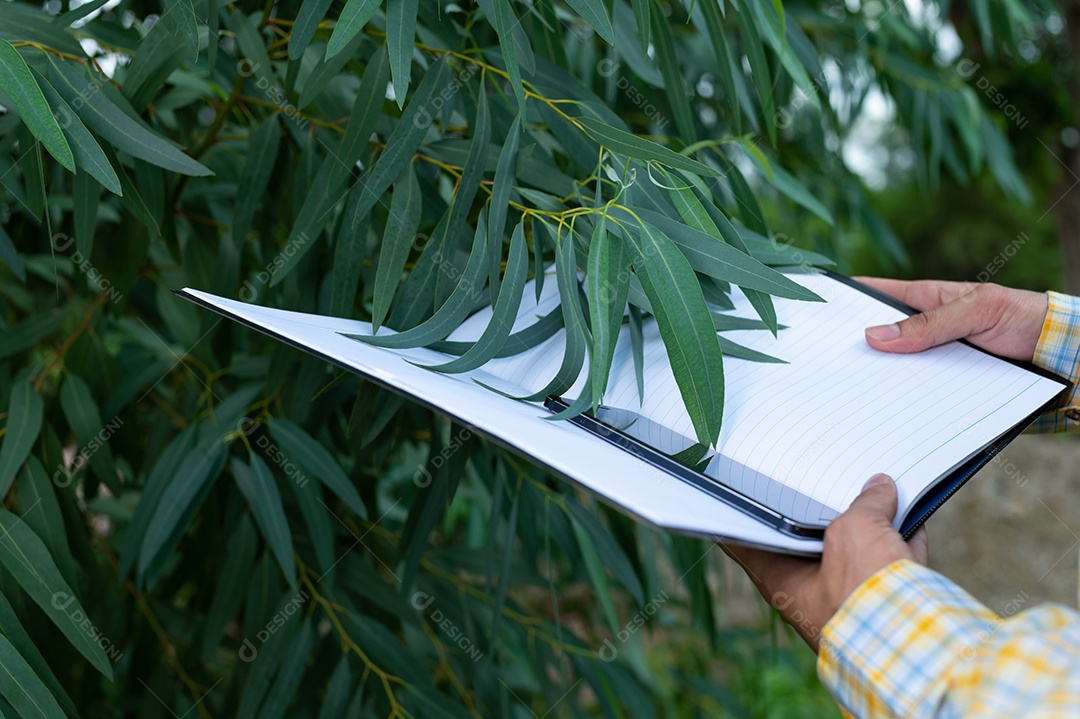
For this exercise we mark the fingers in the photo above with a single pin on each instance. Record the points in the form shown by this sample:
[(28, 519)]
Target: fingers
[(923, 295), (920, 545), (962, 317), (756, 562), (877, 500), (767, 570)]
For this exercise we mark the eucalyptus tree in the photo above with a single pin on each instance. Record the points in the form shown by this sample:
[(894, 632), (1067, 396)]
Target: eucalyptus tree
[(198, 520)]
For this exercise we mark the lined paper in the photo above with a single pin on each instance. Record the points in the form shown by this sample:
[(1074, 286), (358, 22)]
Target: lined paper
[(836, 413)]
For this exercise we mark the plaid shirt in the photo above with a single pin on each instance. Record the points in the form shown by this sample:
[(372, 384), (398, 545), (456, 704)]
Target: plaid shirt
[(910, 643), (1059, 351)]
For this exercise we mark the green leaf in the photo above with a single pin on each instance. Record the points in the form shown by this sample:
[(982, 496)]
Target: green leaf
[(329, 69), (23, 91), (86, 196), (16, 634), (269, 657), (159, 54), (264, 142), (261, 492), (501, 15), (309, 497), (181, 500), (503, 581), (467, 187), (22, 687), (76, 14), (180, 14), (608, 280), (89, 157), (291, 672), (337, 690), (782, 180), (641, 20), (611, 555), (539, 233), (595, 569), (115, 125), (353, 17), (130, 196), (427, 508), (20, 22), (723, 60), (500, 199), (759, 66), (25, 556), (504, 313), (24, 416), (685, 326), (308, 18), (577, 342), (772, 21), (157, 481), (303, 449), (400, 33), (407, 135), (714, 258), (231, 587), (452, 313), (518, 342), (10, 256), (712, 222), (401, 226), (91, 433), (637, 350), (29, 332), (671, 70), (732, 349), (350, 251), (623, 143), (41, 511), (594, 13)]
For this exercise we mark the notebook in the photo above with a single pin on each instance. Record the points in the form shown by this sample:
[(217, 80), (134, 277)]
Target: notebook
[(800, 436)]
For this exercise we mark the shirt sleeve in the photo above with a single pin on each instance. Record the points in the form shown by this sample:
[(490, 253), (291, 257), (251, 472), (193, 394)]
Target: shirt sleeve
[(1058, 350), (910, 643)]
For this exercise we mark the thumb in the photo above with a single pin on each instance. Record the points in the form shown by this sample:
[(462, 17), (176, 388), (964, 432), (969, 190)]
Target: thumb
[(962, 317), (878, 498)]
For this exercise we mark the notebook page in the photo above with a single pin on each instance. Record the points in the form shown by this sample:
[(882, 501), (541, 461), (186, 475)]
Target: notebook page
[(617, 476), (822, 424), (841, 411), (838, 412)]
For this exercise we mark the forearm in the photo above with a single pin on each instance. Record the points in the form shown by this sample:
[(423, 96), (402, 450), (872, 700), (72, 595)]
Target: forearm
[(910, 643)]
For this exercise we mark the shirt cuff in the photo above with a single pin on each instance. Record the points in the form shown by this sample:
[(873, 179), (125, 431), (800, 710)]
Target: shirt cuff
[(888, 650), (1058, 350)]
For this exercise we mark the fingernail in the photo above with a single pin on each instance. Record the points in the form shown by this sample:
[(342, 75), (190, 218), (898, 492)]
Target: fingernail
[(884, 333), (876, 480)]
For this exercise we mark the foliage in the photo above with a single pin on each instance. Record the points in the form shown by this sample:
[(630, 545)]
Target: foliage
[(219, 525)]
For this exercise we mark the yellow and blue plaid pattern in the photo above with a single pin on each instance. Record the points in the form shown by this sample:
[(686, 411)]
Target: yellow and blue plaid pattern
[(1059, 351), (910, 643)]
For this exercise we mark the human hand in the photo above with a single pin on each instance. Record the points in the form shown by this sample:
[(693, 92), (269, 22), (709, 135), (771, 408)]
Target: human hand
[(1001, 320), (858, 544)]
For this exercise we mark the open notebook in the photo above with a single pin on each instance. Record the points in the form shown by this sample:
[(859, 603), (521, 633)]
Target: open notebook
[(800, 436)]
